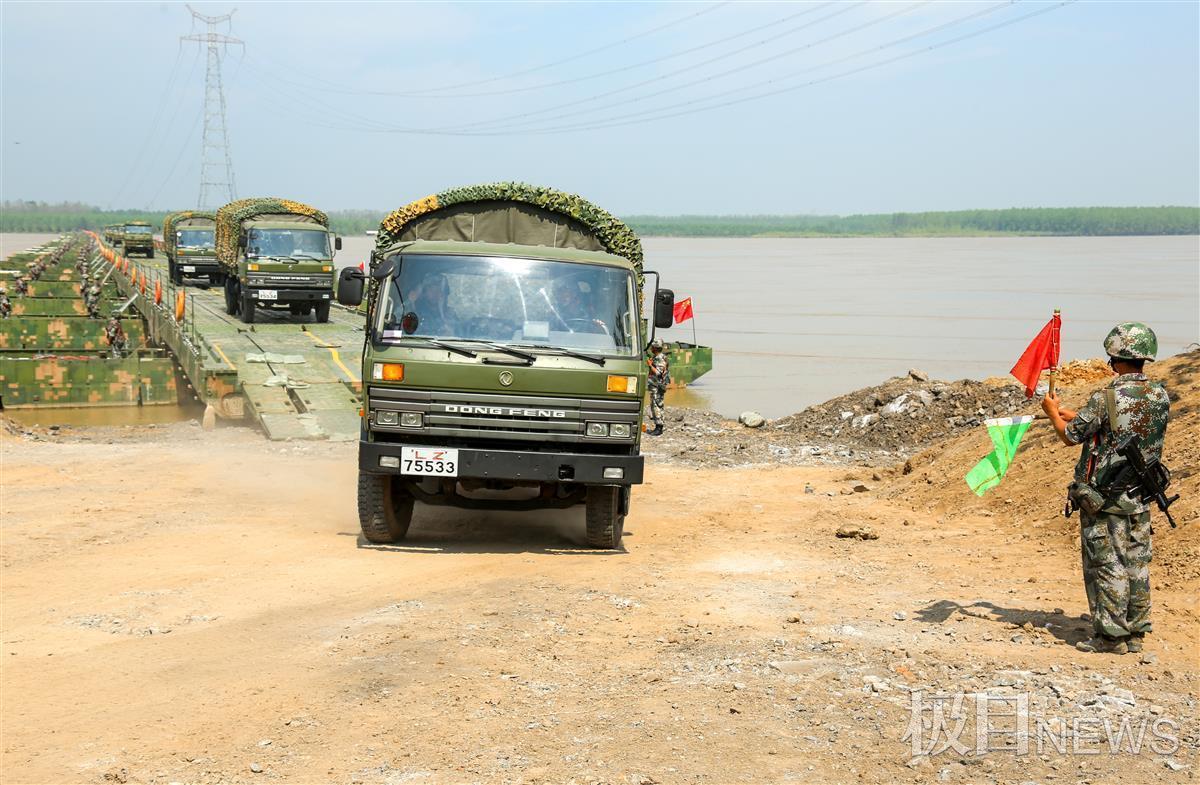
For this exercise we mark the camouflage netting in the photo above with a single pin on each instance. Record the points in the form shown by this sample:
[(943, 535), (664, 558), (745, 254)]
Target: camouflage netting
[(174, 218), (230, 217), (610, 234)]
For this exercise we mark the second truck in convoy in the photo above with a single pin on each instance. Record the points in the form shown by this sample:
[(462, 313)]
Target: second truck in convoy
[(137, 237), (275, 253), (189, 241), (504, 358)]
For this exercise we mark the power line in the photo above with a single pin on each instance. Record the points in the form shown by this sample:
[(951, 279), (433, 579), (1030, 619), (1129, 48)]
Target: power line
[(497, 123), (310, 81), (794, 74), (779, 91), (149, 131)]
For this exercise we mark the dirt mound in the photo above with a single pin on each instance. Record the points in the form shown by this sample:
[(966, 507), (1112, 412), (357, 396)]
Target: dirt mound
[(904, 415), (1034, 490), (1072, 374)]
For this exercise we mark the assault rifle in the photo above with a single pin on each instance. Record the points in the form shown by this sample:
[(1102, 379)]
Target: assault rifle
[(1150, 480)]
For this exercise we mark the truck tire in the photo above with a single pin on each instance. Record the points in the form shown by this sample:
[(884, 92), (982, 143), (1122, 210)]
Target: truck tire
[(384, 509), (231, 302), (150, 254), (176, 275), (605, 518), (247, 307), (323, 311)]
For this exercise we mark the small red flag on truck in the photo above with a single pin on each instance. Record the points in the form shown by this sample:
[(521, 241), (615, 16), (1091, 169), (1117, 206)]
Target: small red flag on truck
[(1039, 355), (683, 310)]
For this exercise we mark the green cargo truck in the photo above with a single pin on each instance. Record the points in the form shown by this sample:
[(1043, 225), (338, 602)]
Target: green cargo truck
[(112, 234), (137, 236), (275, 253), (503, 362), (189, 241)]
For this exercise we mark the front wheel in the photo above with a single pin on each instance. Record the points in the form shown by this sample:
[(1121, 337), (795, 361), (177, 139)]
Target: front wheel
[(247, 306), (176, 275), (150, 254), (605, 516), (384, 508), (231, 300), (323, 311)]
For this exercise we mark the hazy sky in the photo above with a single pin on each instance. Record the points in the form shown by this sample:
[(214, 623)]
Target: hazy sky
[(1087, 104)]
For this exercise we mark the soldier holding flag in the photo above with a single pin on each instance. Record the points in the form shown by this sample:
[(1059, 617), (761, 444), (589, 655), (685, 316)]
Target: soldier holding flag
[(1113, 514)]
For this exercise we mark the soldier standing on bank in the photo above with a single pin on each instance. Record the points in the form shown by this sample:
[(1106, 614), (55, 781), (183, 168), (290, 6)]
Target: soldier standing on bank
[(1114, 520), (115, 334), (660, 377), (5, 303), (22, 286)]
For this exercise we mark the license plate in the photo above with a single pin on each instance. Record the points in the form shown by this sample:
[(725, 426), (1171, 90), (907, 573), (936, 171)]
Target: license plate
[(429, 461), (268, 294), (189, 268)]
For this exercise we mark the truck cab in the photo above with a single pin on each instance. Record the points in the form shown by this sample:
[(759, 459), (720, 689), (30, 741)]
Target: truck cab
[(192, 252), (283, 262), (137, 236), (500, 375)]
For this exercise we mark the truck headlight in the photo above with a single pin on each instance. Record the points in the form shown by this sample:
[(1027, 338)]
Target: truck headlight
[(411, 419), (384, 417), (597, 429), (619, 430)]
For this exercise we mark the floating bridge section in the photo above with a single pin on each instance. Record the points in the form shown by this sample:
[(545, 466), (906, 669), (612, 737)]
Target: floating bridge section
[(295, 378)]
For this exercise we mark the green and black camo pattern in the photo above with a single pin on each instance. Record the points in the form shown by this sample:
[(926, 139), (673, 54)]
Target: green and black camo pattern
[(617, 238), (229, 221)]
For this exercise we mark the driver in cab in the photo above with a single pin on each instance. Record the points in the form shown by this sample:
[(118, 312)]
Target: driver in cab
[(575, 307), (428, 303)]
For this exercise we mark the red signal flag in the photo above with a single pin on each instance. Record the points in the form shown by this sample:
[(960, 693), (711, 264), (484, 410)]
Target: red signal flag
[(1040, 355), (683, 310)]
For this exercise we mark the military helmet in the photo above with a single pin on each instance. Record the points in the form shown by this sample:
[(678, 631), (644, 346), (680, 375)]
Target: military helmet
[(3, 289), (1131, 341), (657, 343)]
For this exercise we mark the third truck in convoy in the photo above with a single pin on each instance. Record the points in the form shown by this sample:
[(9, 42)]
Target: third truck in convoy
[(503, 359), (275, 253), (137, 237), (189, 241)]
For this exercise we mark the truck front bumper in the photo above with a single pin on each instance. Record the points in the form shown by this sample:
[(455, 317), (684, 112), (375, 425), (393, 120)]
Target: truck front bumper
[(516, 465), (197, 266), (289, 295)]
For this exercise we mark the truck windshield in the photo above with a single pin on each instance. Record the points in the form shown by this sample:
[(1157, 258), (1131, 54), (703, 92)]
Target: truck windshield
[(137, 230), (300, 243), (196, 238), (528, 302)]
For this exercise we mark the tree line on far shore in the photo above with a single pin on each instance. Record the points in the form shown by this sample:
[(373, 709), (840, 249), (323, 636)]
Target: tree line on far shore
[(20, 216)]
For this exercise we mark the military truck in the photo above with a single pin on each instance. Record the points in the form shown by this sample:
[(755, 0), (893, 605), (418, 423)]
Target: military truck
[(137, 236), (275, 253), (189, 240), (112, 234), (503, 362)]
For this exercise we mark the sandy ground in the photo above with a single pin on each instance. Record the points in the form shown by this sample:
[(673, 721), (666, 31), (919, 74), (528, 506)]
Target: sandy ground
[(181, 606)]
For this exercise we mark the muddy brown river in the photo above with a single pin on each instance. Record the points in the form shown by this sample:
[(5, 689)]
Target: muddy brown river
[(797, 321)]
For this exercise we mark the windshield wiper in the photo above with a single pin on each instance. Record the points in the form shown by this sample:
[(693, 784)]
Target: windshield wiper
[(440, 344), (303, 255), (595, 358), (499, 347)]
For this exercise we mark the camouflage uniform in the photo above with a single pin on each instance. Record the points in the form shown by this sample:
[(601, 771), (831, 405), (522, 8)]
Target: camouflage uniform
[(91, 301), (660, 377), (5, 304), (116, 338), (1115, 537), (22, 286)]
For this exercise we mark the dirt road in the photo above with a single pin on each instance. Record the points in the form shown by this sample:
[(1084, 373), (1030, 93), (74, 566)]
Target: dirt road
[(181, 606)]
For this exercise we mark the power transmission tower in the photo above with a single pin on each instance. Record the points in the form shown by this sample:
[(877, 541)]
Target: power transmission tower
[(216, 167)]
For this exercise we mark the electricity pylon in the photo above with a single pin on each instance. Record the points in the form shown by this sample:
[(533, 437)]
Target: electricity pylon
[(216, 167)]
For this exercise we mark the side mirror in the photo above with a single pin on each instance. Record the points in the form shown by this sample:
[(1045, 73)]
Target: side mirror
[(242, 242), (337, 243), (664, 308), (384, 269), (350, 286)]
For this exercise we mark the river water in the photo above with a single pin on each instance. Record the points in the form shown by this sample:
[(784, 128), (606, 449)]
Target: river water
[(798, 321)]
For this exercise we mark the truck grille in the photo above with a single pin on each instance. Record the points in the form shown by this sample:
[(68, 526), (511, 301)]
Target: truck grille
[(511, 417), (323, 280)]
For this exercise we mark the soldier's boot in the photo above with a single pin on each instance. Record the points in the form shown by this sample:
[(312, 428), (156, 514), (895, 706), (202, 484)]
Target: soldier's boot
[(1102, 644), (657, 431), (1134, 644)]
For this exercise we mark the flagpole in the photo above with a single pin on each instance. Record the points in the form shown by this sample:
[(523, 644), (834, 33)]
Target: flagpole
[(694, 344), (1054, 369)]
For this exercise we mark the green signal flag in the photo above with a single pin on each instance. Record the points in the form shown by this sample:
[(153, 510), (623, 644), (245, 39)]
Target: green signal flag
[(1006, 433)]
